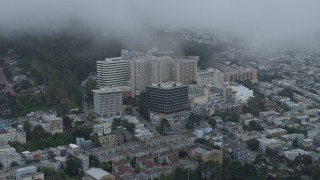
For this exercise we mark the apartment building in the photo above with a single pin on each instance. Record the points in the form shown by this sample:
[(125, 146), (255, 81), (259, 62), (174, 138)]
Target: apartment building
[(108, 141), (102, 126), (154, 69), (206, 153), (183, 69), (82, 160), (292, 154), (210, 76), (113, 72), (240, 75), (25, 171), (108, 102), (147, 69), (8, 155), (277, 132), (50, 123), (55, 123), (10, 134)]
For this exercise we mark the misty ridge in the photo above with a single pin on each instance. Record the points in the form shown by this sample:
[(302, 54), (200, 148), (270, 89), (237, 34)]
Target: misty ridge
[(259, 24)]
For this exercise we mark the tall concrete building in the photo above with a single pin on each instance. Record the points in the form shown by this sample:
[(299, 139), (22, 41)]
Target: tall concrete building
[(211, 76), (149, 69), (184, 69), (108, 102), (113, 72), (167, 97)]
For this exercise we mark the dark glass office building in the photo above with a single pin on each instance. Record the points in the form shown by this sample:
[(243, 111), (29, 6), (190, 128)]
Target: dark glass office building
[(167, 97)]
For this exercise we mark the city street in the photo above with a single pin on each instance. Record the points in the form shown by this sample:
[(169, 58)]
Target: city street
[(148, 124)]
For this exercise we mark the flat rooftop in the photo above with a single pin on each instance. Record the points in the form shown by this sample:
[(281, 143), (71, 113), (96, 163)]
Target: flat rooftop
[(111, 89)]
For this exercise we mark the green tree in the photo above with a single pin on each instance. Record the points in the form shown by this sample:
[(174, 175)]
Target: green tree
[(93, 161), (27, 129), (67, 122), (182, 154), (47, 171), (253, 126), (287, 92), (72, 168), (192, 121), (38, 132), (255, 105), (14, 164), (144, 106), (164, 126), (84, 132), (253, 144), (90, 85), (106, 166)]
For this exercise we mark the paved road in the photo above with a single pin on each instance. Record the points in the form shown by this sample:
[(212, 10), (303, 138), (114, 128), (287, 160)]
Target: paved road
[(148, 124)]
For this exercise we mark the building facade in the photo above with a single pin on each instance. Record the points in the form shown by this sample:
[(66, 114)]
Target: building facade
[(82, 160), (10, 134), (113, 72), (184, 69), (167, 97), (108, 102), (210, 76), (240, 75), (55, 123)]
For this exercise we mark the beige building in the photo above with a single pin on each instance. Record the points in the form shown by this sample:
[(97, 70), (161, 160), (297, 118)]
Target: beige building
[(108, 141), (207, 153), (55, 123), (210, 76), (98, 174), (146, 70), (184, 69), (240, 75)]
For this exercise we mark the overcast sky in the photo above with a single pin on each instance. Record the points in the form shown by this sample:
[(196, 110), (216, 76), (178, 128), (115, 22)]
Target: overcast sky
[(258, 21)]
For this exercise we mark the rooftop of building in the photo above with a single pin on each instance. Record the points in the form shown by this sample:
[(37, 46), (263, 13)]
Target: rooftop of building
[(31, 175), (26, 169), (209, 70), (266, 140), (296, 151), (112, 59), (167, 85), (275, 130), (117, 89), (97, 173)]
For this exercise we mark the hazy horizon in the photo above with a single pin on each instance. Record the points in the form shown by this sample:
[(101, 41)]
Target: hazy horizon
[(259, 23)]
